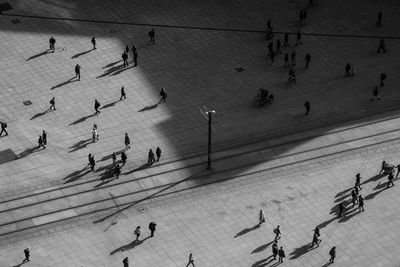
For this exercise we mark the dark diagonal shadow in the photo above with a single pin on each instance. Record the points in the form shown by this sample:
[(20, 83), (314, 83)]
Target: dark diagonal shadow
[(109, 105), (327, 264), (109, 156), (148, 108), (348, 214), (82, 119), (343, 192), (263, 262), (122, 70), (298, 252), (129, 246), (325, 223), (64, 83), (111, 64), (374, 178), (262, 247), (27, 152), (76, 175), (381, 186), (81, 144), (81, 54), (247, 230), (144, 166), (40, 114), (38, 55), (110, 71)]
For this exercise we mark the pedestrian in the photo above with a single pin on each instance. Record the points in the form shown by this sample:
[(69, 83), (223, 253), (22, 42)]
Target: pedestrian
[(96, 106), (348, 69), (52, 103), (278, 47), (158, 153), (390, 180), (341, 208), (94, 42), (286, 42), (40, 142), (275, 249), (135, 55), (379, 21), (360, 203), (127, 49), (126, 262), (292, 75), (358, 181), (152, 228), (44, 137), (123, 158), (152, 34), (114, 157), (151, 158), (315, 240), (92, 162), (163, 95), (332, 253), (281, 254), (191, 260), (383, 77), (307, 58), (117, 170), (308, 107), (270, 48), (293, 57), (381, 46), (137, 233), (89, 159), (3, 128), (354, 197), (127, 141), (125, 59), (52, 43), (133, 49), (269, 25), (398, 170), (375, 94), (298, 38), (27, 254), (383, 166), (286, 60), (78, 72), (277, 233), (95, 135), (261, 217), (272, 58), (123, 95)]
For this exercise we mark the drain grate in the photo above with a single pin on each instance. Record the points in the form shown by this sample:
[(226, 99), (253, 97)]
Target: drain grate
[(240, 69), (27, 103)]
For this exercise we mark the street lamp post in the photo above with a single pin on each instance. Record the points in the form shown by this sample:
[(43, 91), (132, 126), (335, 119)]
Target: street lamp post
[(209, 113)]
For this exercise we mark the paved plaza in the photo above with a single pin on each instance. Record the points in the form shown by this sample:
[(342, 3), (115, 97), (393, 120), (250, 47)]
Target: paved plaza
[(208, 55)]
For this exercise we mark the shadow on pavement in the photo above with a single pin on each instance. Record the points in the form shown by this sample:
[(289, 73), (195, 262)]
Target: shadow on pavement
[(148, 108), (27, 152), (111, 70), (301, 251), (263, 262), (81, 54), (38, 55), (247, 230), (81, 144), (76, 175), (40, 114), (111, 64), (129, 246), (109, 105), (262, 247), (82, 119), (63, 83)]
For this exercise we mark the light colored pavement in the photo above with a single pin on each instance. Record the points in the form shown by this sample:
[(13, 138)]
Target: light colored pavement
[(304, 165)]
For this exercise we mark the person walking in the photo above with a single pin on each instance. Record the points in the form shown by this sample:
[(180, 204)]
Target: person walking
[(307, 58), (126, 262), (137, 233), (358, 181), (383, 77), (158, 153), (315, 240), (270, 48), (78, 72), (308, 107), (398, 170), (152, 228), (278, 47), (92, 162), (261, 217), (52, 43), (44, 137), (123, 95), (292, 76), (89, 159), (96, 106), (286, 60), (332, 253), (191, 260), (114, 157), (275, 249), (277, 233), (117, 171), (348, 69), (52, 103), (273, 58), (95, 135), (163, 95), (317, 233), (3, 128), (390, 180), (135, 56), (298, 38), (152, 34), (286, 40), (360, 203), (381, 46), (341, 208), (94, 42), (354, 197), (379, 20), (127, 141), (281, 254), (40, 142), (125, 59), (293, 58), (27, 254), (151, 158), (375, 94), (133, 49), (127, 50), (123, 158)]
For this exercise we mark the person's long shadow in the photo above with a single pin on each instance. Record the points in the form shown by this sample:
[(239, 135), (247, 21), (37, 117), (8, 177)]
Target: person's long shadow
[(110, 71), (111, 64), (381, 186), (262, 247), (109, 105), (263, 262), (129, 246), (144, 166), (76, 175), (122, 70), (247, 230), (301, 251), (343, 192), (148, 108), (38, 55), (41, 114), (81, 54), (81, 144), (82, 119), (374, 178), (27, 152), (325, 223), (348, 215), (327, 264), (109, 156), (63, 83)]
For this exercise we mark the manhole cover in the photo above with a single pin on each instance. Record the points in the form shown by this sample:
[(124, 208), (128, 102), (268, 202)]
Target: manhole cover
[(142, 210), (240, 69), (5, 7), (27, 103), (16, 21)]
